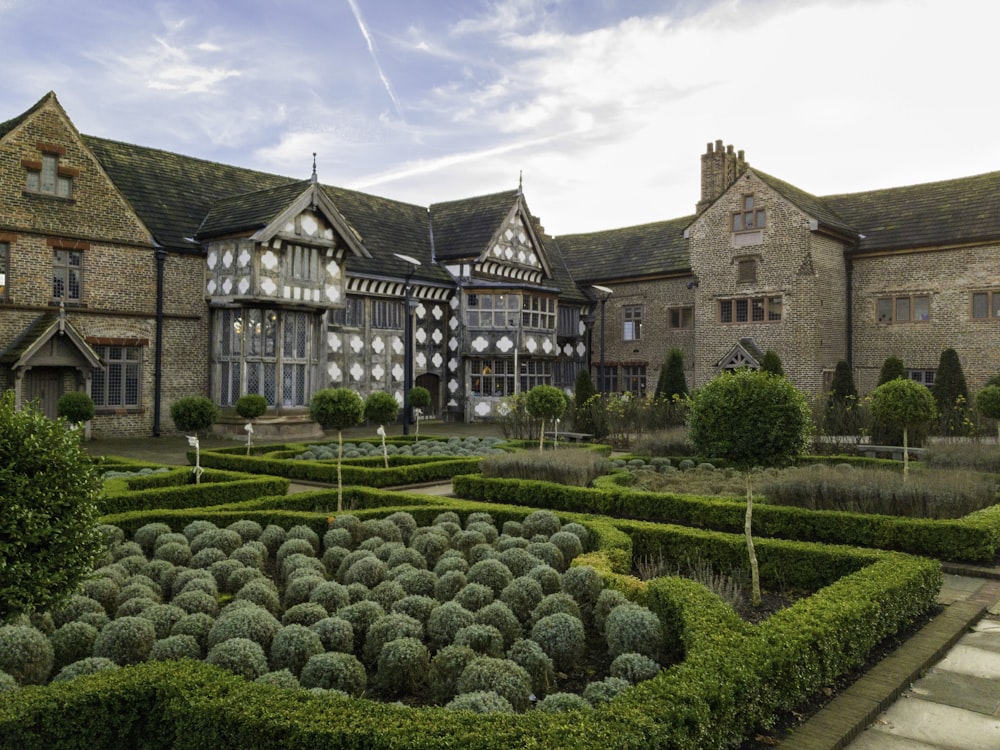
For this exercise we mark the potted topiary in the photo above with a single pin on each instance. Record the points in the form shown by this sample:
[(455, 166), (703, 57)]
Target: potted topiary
[(193, 413)]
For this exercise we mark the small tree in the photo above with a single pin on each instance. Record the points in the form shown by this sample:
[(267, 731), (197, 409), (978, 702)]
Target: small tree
[(48, 518), (883, 434), (545, 402), (771, 363), (194, 413), (75, 407), (382, 408), (904, 404), (753, 419), (950, 392), (892, 369), (250, 406), (583, 391), (337, 409), (420, 399), (842, 400), (671, 381), (988, 404)]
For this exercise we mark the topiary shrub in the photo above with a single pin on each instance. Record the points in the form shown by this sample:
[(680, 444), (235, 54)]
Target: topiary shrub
[(607, 600), (522, 595), (197, 625), (251, 405), (281, 679), (604, 690), (145, 536), (7, 683), (183, 582), (175, 647), (562, 638), (248, 621), (634, 668), (490, 573), (499, 615), (406, 555), (431, 546), (361, 615), (449, 584), (402, 668), (75, 407), (501, 676), (72, 642), (90, 665), (536, 663), (135, 606), (446, 667), (127, 640), (334, 671), (631, 628), (331, 596), (206, 558), (548, 577), (558, 703), (240, 578), (262, 592), (223, 569), (292, 647), (482, 702), (103, 590), (445, 621), (451, 560), (176, 553), (241, 656), (585, 586), (517, 559), (163, 617), (417, 606), (554, 603), (272, 538), (485, 640), (335, 634), (543, 522), (473, 596), (73, 607), (193, 414), (569, 545), (389, 628), (248, 530), (549, 554), (305, 614), (386, 594), (300, 588)]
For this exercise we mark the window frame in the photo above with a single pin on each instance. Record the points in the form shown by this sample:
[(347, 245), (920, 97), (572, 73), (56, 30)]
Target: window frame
[(632, 322), (746, 271), (893, 304), (102, 381), (759, 309), (921, 375), (62, 272), (46, 176), (678, 315), (633, 379), (748, 211), (388, 314), (992, 298)]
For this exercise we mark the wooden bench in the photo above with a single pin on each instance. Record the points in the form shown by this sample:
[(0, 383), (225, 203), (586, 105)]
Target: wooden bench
[(571, 437), (894, 452)]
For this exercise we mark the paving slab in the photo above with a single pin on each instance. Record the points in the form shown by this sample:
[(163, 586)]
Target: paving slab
[(976, 662), (874, 739), (959, 690), (985, 638), (940, 725)]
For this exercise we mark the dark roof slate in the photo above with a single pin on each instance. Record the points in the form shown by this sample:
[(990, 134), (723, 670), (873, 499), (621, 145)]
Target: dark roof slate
[(809, 204), (643, 250), (27, 337), (464, 228), (249, 211)]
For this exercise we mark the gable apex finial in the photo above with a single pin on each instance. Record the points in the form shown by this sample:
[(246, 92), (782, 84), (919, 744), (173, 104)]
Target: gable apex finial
[(314, 178), (520, 181)]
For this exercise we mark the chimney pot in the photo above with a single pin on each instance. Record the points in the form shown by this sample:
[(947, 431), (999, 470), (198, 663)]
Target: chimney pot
[(718, 145)]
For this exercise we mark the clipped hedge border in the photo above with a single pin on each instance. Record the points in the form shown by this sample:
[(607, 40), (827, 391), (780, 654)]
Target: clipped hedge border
[(427, 469), (974, 538)]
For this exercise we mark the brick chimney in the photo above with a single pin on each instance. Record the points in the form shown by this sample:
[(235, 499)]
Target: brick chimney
[(720, 167)]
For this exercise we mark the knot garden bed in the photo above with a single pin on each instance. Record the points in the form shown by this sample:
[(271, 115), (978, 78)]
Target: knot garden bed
[(726, 679)]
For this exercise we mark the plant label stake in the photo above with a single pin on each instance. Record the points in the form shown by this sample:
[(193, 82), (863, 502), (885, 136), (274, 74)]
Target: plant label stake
[(197, 470)]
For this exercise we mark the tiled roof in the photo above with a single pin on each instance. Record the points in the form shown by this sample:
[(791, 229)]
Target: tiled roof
[(464, 228), (815, 207), (27, 337), (248, 211), (644, 250), (172, 194), (928, 215)]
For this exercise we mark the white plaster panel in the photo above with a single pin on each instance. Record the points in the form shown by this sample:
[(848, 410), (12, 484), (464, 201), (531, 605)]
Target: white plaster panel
[(357, 371), (378, 345), (268, 286), (357, 344), (479, 344), (269, 260)]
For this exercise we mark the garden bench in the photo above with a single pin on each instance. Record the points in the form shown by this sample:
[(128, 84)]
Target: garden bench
[(571, 437), (893, 451)]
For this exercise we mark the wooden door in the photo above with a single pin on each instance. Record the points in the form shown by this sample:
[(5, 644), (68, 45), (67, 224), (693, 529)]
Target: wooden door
[(44, 385)]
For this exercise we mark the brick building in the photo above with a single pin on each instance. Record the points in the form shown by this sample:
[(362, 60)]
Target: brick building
[(141, 276)]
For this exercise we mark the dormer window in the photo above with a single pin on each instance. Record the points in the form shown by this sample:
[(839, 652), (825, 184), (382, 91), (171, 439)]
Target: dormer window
[(47, 176), (750, 218)]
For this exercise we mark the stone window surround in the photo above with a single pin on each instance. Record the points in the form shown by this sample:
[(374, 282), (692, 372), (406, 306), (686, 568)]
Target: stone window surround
[(990, 297), (887, 308), (101, 381), (743, 310), (40, 171), (750, 218), (63, 267), (631, 322), (680, 317)]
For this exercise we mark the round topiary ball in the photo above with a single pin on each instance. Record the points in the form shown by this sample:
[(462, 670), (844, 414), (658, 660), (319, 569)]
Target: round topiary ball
[(386, 593), (127, 640), (634, 668), (197, 601), (247, 529), (331, 596), (473, 596), (175, 647), (163, 617), (72, 642), (361, 615), (518, 560), (483, 702), (485, 640), (450, 562), (449, 584), (335, 634), (445, 621), (607, 600), (543, 522), (197, 625), (402, 667), (241, 656), (605, 690), (368, 571), (554, 603), (490, 573), (585, 585), (90, 665), (562, 637), (522, 595), (548, 577), (503, 677), (249, 621), (568, 543), (302, 531), (224, 540), (262, 592), (272, 537), (536, 663), (7, 683), (280, 679), (103, 590), (632, 628), (389, 628), (293, 646), (304, 614), (549, 554), (558, 703), (74, 606), (299, 589), (334, 671), (499, 615), (174, 552), (416, 606), (145, 536), (446, 667)]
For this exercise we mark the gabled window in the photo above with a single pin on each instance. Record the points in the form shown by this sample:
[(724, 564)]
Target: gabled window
[(632, 322), (45, 175), (750, 218), (67, 275)]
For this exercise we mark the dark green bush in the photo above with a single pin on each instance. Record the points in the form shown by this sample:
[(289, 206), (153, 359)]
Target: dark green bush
[(335, 633), (402, 667), (501, 676), (481, 702), (251, 405), (89, 665), (25, 654), (75, 407), (193, 413), (334, 671), (241, 656), (175, 647), (127, 640), (292, 647), (562, 638)]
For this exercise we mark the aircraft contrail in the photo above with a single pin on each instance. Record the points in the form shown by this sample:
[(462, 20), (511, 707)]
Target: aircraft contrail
[(378, 67)]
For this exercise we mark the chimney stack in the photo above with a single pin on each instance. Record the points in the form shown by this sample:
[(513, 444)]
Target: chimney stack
[(720, 168)]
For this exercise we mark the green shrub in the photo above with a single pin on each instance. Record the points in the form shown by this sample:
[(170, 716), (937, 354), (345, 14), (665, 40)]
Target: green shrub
[(75, 407), (300, 588), (554, 604), (368, 571), (261, 592), (449, 584), (90, 665), (135, 606), (207, 557), (305, 613), (163, 617), (103, 590), (630, 628), (335, 634), (483, 639), (145, 536), (251, 405), (241, 656), (174, 552), (331, 596), (451, 562), (361, 615), (197, 601), (416, 606), (334, 671), (73, 607), (248, 530), (25, 654), (175, 647), (72, 642), (249, 622), (272, 538), (634, 668), (445, 621), (389, 628), (473, 596), (499, 615), (561, 703), (603, 691), (536, 663), (607, 600), (490, 573), (549, 554), (402, 667), (569, 545), (446, 667), (481, 702), (517, 559), (542, 522), (585, 585), (240, 578), (193, 413), (547, 577), (7, 683), (197, 625), (562, 638), (293, 646), (522, 595), (501, 676), (127, 640), (280, 679)]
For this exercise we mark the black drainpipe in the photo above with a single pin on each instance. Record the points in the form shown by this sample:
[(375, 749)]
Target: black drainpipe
[(161, 258), (849, 263)]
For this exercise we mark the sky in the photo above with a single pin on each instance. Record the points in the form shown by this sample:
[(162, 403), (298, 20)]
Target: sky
[(602, 107)]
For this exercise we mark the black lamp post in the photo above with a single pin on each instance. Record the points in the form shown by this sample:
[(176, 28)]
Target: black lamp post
[(603, 293), (408, 339)]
